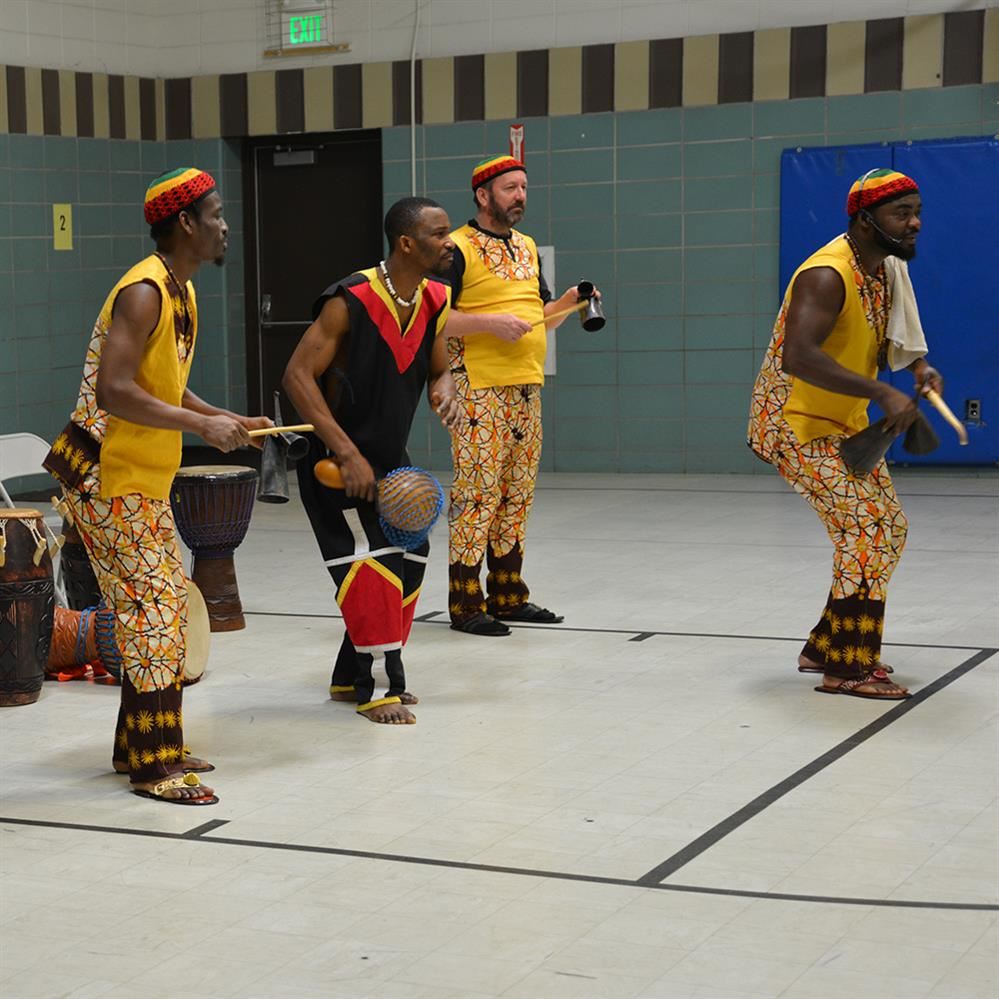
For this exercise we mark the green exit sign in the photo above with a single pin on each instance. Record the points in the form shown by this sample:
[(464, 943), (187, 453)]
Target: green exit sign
[(305, 29), (306, 24)]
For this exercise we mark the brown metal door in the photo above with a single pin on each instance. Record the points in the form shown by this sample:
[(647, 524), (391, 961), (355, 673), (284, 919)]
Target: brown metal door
[(314, 215)]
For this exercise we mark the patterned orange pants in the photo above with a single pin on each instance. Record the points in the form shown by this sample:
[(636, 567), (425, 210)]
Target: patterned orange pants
[(867, 527), (495, 450), (133, 549)]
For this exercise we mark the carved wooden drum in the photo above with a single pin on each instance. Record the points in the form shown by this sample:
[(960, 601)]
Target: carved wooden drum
[(27, 605), (212, 506)]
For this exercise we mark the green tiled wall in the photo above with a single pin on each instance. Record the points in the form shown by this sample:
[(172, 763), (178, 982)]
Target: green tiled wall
[(49, 299), (674, 213)]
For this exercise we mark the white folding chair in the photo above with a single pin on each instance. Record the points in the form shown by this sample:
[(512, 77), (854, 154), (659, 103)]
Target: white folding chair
[(22, 455)]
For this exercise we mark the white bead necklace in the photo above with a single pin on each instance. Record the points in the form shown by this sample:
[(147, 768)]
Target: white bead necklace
[(391, 289)]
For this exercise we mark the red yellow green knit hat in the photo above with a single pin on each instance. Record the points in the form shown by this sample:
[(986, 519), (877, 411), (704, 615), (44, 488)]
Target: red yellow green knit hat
[(493, 167), (174, 191), (876, 187)]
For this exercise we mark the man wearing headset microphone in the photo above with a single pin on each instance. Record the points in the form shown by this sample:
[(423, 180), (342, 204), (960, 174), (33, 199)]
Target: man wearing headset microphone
[(849, 310)]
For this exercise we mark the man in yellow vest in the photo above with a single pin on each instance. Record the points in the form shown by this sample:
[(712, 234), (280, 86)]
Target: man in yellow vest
[(833, 332), (497, 332), (116, 460)]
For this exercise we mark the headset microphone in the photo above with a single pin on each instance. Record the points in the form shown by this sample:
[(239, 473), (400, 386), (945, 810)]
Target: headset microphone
[(870, 218)]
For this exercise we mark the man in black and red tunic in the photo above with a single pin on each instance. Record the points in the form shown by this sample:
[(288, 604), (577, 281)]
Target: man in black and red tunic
[(357, 376)]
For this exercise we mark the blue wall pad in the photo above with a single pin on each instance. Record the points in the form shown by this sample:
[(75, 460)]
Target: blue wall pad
[(955, 273)]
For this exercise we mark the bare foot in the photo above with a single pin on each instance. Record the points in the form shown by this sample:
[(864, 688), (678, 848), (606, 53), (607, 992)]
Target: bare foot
[(196, 765), (390, 714), (351, 697)]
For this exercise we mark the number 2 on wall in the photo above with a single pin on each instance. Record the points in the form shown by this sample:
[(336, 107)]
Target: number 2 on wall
[(62, 227)]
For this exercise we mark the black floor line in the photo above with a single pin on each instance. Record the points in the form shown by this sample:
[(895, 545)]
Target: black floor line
[(205, 827), (758, 804), (653, 879), (196, 835), (430, 615), (637, 634)]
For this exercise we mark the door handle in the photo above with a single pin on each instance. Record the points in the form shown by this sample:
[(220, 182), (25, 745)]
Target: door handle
[(265, 308)]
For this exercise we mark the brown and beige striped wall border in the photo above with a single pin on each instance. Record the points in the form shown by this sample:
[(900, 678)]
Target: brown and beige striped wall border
[(826, 60)]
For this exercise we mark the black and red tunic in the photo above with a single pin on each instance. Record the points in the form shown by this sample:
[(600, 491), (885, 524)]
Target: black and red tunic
[(374, 390)]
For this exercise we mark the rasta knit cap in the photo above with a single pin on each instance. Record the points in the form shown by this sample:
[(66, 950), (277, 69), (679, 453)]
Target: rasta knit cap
[(876, 187), (172, 192), (493, 167)]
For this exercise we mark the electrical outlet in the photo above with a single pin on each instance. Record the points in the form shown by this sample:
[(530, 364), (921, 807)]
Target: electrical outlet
[(972, 410)]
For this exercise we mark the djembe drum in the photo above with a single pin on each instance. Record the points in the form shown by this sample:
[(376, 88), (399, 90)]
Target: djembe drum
[(27, 603), (212, 506)]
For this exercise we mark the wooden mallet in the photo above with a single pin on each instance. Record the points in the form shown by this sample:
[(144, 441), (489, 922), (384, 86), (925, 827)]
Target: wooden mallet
[(562, 313), (298, 428), (592, 318), (945, 411)]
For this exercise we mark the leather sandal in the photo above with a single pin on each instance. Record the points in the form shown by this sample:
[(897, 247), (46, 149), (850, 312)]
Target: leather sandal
[(177, 781), (849, 687), (481, 624), (532, 614)]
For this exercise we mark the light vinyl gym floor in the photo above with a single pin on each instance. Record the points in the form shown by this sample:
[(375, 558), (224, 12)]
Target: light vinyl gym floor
[(646, 801)]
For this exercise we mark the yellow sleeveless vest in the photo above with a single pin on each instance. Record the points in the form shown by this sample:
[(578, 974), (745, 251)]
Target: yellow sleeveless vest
[(815, 412), (136, 458), (493, 282)]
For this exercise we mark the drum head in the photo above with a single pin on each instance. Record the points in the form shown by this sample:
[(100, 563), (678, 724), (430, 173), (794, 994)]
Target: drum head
[(195, 472), (19, 513), (198, 635)]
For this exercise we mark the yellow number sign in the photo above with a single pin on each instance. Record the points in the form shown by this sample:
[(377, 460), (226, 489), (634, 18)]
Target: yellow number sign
[(62, 227)]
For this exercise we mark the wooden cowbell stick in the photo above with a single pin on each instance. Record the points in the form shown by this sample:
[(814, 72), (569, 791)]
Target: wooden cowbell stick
[(945, 411)]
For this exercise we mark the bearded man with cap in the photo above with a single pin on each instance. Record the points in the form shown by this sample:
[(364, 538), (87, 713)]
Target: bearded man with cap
[(497, 344), (840, 322), (116, 460)]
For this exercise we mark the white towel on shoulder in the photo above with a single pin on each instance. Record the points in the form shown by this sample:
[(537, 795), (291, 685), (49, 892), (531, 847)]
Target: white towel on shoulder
[(906, 339)]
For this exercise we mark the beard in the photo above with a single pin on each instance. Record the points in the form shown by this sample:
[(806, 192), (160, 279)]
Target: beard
[(904, 252), (510, 216)]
